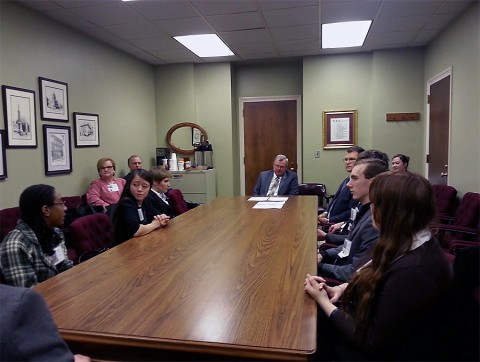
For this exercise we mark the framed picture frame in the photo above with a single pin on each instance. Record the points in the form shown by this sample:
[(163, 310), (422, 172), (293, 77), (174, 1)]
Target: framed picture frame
[(3, 156), (57, 149), (339, 129), (86, 129), (19, 115), (196, 136), (53, 100)]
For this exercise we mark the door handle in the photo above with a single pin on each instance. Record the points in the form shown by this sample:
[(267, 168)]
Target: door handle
[(444, 174)]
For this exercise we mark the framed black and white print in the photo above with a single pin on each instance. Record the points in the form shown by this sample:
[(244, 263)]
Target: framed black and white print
[(196, 136), (19, 115), (86, 129), (3, 156), (53, 100), (57, 149)]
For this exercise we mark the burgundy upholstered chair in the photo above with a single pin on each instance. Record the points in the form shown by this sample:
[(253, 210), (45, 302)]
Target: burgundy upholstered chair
[(465, 225), (445, 200), (8, 220), (72, 201), (176, 200), (90, 235)]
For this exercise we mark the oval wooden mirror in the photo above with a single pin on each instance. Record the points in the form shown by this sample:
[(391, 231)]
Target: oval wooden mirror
[(181, 125)]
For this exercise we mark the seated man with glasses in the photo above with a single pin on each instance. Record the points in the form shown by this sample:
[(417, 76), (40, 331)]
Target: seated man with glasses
[(35, 250), (105, 190), (339, 208)]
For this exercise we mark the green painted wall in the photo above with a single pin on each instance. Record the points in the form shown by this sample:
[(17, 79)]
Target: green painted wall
[(100, 80), (459, 47), (199, 94)]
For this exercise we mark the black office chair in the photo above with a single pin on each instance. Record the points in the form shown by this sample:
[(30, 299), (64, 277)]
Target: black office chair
[(316, 189)]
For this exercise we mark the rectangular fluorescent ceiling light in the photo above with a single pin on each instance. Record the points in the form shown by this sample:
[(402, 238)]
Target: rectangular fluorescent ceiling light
[(345, 35), (205, 45)]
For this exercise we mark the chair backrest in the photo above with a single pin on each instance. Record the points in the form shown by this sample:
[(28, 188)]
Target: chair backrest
[(319, 190), (468, 212), (8, 220), (445, 199), (90, 233), (177, 202), (72, 201)]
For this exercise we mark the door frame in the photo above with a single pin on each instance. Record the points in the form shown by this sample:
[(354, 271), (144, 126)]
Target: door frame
[(241, 133), (445, 73)]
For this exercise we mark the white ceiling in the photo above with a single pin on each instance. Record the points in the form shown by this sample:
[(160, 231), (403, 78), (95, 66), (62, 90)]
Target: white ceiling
[(253, 29)]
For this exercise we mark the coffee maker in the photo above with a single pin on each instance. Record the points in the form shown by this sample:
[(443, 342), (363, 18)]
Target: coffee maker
[(162, 153), (198, 154)]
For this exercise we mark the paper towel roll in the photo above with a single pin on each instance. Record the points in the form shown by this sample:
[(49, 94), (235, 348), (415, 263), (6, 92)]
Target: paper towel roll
[(173, 165)]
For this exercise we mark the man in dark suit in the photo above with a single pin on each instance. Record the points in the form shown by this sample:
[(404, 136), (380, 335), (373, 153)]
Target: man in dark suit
[(339, 208), (134, 163), (28, 331), (278, 181), (341, 262)]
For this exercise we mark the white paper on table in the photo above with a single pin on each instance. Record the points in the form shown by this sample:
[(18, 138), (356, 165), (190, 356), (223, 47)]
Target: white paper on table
[(258, 198), (277, 198), (268, 205)]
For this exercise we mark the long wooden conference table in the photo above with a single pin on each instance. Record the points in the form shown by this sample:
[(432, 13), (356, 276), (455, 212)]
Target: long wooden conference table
[(222, 281)]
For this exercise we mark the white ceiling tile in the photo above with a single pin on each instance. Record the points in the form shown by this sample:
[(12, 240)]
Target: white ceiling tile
[(292, 16), (390, 25), (390, 38), (217, 7), (163, 9), (341, 11), (438, 21), (108, 14), (395, 8), (185, 26), (246, 36), (70, 4), (285, 4), (298, 45), (296, 32), (138, 30), (241, 21), (255, 48), (156, 43)]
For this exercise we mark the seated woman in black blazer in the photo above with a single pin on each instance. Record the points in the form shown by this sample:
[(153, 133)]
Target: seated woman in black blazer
[(134, 215)]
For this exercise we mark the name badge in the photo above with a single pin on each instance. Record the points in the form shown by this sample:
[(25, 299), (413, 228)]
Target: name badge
[(140, 214), (58, 256), (353, 213), (346, 249), (113, 187)]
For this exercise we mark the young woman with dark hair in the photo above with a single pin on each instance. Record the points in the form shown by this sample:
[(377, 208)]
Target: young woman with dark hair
[(388, 309), (35, 250), (134, 216)]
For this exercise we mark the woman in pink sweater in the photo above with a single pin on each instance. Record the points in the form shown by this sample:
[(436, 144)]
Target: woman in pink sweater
[(106, 190)]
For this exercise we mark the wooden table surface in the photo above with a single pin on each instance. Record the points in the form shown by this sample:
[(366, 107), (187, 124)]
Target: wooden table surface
[(222, 279)]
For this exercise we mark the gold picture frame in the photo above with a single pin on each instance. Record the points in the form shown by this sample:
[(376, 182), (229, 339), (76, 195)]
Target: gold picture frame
[(339, 129)]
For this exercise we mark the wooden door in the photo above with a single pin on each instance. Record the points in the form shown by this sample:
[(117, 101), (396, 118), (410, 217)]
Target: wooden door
[(270, 128), (439, 130)]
